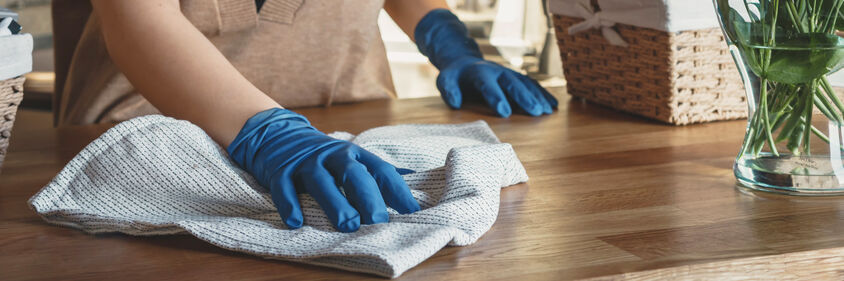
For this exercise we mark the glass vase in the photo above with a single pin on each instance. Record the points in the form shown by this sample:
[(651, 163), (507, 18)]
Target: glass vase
[(784, 50)]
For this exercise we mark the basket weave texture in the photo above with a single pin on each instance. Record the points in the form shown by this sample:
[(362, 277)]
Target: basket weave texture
[(11, 94), (679, 78)]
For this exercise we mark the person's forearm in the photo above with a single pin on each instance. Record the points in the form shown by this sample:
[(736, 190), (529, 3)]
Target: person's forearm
[(407, 14), (176, 67)]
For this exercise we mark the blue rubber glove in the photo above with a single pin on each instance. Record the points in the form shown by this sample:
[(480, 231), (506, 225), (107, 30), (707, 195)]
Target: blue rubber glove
[(286, 154), (442, 37)]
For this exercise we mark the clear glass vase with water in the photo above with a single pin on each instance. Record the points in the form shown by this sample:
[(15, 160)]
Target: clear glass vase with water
[(785, 50)]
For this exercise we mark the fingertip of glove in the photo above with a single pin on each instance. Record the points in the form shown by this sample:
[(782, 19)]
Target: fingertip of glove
[(350, 225), (551, 99), (403, 171), (408, 207), (452, 100), (379, 217), (536, 110), (547, 109), (413, 208), (503, 109), (293, 222), (554, 102)]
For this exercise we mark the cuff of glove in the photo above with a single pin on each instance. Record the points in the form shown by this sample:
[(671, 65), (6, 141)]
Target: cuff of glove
[(254, 132), (443, 38)]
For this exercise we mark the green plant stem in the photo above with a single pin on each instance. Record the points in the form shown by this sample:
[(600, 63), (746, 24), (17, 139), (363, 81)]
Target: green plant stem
[(831, 17), (813, 23), (765, 120), (824, 138), (751, 132), (826, 108), (778, 119), (807, 133), (819, 103), (792, 12), (771, 37), (827, 87), (821, 135), (791, 123)]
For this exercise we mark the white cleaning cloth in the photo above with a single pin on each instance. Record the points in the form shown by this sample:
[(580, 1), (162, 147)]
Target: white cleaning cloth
[(156, 175)]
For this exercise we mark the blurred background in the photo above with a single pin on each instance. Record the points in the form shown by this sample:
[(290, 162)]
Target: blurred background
[(514, 33)]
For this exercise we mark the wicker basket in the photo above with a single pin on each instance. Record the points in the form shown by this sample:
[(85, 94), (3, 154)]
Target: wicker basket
[(679, 78), (11, 94)]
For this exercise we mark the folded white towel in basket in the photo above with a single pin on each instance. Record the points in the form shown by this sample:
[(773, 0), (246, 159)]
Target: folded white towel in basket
[(665, 15), (15, 55), (155, 175)]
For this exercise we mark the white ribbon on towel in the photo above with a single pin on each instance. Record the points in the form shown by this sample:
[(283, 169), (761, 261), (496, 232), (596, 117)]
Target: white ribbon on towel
[(664, 15), (596, 20)]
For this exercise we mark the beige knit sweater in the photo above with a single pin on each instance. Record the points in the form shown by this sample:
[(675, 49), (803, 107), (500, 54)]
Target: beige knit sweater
[(299, 52)]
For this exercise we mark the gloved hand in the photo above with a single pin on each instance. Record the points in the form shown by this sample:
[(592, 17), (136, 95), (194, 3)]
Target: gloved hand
[(287, 155), (442, 37)]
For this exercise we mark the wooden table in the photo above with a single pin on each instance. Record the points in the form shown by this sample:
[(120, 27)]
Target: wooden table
[(609, 193)]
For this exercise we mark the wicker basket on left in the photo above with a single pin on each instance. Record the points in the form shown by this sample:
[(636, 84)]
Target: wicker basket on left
[(11, 94)]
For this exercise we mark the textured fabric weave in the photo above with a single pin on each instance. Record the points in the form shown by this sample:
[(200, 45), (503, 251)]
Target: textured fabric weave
[(155, 175)]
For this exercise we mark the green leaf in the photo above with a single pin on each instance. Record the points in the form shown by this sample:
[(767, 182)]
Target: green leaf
[(745, 34), (805, 57), (744, 30)]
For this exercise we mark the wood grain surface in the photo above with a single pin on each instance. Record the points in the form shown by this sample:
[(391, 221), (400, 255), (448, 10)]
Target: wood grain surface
[(609, 194), (824, 264)]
